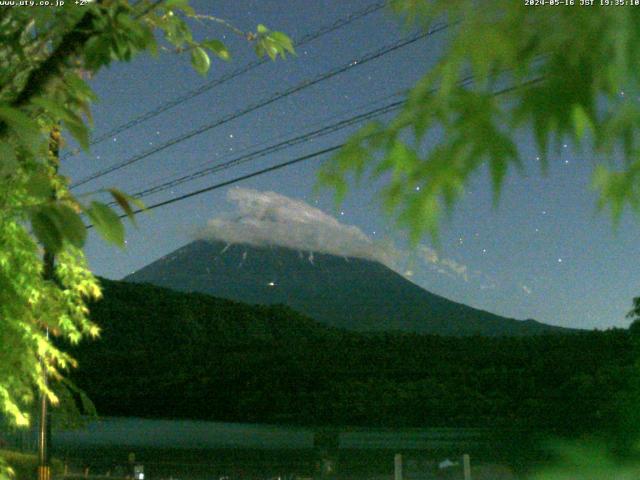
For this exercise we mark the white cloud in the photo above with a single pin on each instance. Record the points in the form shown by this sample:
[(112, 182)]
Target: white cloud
[(268, 218), (445, 266), (456, 268)]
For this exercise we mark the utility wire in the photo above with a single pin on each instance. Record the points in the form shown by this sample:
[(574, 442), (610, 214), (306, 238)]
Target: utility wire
[(271, 149), (280, 137), (275, 97), (341, 22), (237, 179), (318, 133), (287, 163)]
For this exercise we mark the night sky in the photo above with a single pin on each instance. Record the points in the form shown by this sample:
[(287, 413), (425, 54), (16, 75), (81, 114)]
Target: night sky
[(543, 253)]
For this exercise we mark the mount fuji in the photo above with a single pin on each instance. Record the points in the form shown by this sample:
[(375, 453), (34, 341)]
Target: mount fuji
[(344, 292)]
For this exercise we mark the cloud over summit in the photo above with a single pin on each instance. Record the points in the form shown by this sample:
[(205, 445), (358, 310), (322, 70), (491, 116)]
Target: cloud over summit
[(272, 219), (268, 218)]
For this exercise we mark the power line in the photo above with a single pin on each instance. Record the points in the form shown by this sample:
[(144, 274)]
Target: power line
[(271, 149), (275, 97), (288, 163), (237, 179), (346, 20), (280, 137), (318, 133)]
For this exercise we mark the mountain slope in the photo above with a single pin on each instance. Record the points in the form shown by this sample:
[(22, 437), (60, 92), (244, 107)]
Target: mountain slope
[(342, 292)]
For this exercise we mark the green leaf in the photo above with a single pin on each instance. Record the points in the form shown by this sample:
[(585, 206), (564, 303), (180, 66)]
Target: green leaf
[(283, 40), (261, 29), (8, 159), (177, 31), (72, 121), (581, 122), (97, 52), (53, 223), (39, 185), (200, 60), (125, 202), (107, 222), (600, 180), (46, 230), (217, 47), (498, 169), (267, 46), (179, 4), (402, 157), (78, 129), (54, 109), (25, 128), (70, 225), (80, 88)]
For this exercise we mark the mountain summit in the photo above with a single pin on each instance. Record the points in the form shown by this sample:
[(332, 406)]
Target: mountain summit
[(351, 293)]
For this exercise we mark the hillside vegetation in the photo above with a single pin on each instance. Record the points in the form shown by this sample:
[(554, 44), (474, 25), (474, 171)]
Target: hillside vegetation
[(169, 354)]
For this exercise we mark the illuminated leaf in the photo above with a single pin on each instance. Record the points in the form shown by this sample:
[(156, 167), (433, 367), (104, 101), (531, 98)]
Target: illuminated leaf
[(125, 202), (581, 122), (217, 47), (71, 225), (107, 222), (283, 40), (200, 60)]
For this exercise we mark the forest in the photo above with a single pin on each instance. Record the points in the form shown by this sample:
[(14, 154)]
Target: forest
[(167, 354)]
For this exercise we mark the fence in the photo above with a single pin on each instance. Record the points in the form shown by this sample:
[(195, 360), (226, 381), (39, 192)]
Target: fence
[(20, 439)]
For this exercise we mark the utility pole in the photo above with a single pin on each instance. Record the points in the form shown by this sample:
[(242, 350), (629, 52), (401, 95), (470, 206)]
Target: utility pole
[(44, 431), (397, 466), (466, 466)]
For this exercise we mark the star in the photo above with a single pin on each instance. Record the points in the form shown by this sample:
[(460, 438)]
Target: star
[(559, 260)]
